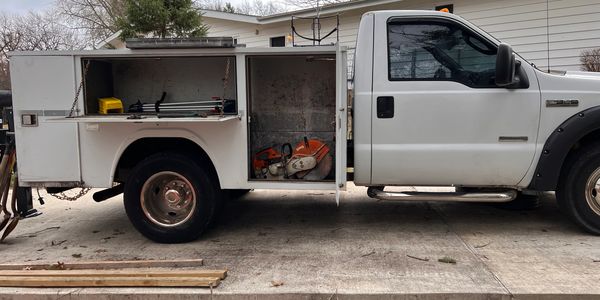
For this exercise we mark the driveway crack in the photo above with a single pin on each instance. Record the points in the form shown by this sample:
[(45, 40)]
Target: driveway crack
[(472, 250)]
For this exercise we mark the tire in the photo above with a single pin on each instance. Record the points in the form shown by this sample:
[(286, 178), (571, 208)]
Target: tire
[(577, 194), (170, 198)]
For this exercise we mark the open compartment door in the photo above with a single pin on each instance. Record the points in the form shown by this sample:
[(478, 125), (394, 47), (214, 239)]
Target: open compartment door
[(44, 88), (341, 143)]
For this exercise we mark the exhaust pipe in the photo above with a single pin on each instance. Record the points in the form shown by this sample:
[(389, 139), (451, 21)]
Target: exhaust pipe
[(108, 193), (491, 196)]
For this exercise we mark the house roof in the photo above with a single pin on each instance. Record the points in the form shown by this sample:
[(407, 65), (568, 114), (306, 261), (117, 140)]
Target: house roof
[(108, 42), (281, 17), (308, 12)]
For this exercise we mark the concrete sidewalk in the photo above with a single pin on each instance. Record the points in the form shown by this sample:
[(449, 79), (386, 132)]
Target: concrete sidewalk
[(363, 249)]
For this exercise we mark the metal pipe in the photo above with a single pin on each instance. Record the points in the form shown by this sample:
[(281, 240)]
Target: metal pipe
[(187, 106), (182, 109), (184, 103), (499, 196), (108, 193)]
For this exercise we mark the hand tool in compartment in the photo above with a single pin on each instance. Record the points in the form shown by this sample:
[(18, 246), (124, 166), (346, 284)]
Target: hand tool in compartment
[(215, 106)]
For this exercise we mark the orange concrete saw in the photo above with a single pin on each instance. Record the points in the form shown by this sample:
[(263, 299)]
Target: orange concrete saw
[(309, 160)]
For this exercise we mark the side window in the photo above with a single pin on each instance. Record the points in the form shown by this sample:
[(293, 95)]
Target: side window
[(278, 41), (437, 50)]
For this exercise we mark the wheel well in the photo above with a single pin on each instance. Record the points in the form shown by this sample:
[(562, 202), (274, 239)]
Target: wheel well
[(588, 139), (577, 132), (144, 147)]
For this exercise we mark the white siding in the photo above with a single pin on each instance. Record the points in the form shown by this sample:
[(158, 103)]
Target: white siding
[(545, 32)]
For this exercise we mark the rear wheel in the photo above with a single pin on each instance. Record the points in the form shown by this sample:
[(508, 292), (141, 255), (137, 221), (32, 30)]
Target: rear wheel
[(170, 198), (578, 192)]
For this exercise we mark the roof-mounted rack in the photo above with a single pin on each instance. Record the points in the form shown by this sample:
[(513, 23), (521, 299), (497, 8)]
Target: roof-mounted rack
[(182, 43), (315, 25)]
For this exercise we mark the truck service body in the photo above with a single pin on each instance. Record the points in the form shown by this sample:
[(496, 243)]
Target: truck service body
[(436, 101)]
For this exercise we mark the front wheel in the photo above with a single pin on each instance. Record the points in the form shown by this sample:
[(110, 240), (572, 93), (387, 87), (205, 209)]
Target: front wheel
[(170, 198), (578, 193)]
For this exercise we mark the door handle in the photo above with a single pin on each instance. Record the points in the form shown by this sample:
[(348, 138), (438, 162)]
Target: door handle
[(385, 107)]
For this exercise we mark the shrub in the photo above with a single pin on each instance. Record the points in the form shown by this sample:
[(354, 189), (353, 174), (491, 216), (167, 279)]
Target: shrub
[(590, 60)]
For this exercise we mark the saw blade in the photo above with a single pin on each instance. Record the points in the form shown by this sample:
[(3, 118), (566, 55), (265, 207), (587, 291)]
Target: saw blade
[(321, 171)]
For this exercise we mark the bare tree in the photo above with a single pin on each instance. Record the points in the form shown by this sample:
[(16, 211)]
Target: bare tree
[(590, 60), (34, 31), (97, 18), (217, 5), (311, 3)]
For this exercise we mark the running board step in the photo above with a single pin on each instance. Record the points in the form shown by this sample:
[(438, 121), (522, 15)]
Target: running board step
[(480, 196)]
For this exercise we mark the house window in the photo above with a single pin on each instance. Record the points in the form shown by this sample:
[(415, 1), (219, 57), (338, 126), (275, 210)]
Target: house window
[(278, 41), (449, 7)]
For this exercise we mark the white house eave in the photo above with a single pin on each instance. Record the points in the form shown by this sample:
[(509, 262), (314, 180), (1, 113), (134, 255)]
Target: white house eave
[(330, 9), (285, 17), (229, 16)]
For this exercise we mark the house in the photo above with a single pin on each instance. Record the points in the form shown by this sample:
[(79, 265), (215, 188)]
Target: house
[(548, 33)]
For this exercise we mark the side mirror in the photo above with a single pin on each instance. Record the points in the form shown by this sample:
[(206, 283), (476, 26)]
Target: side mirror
[(505, 65)]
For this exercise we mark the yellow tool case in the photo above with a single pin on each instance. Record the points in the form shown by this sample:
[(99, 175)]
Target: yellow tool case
[(110, 105)]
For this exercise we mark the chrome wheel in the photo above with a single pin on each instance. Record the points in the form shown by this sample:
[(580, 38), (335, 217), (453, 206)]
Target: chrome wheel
[(168, 199), (592, 191)]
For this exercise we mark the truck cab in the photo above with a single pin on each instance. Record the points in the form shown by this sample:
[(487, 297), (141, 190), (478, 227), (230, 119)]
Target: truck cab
[(427, 108), (439, 102)]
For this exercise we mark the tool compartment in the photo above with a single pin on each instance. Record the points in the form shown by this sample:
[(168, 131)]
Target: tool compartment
[(189, 84), (280, 96), (291, 100)]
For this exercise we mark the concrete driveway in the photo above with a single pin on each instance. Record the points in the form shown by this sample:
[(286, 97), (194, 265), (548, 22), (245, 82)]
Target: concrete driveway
[(362, 249)]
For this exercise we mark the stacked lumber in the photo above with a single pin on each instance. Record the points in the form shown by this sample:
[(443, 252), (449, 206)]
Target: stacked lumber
[(139, 273)]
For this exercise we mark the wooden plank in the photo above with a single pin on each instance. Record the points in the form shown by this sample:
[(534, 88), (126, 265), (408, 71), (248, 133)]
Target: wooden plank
[(33, 281), (107, 265), (221, 274)]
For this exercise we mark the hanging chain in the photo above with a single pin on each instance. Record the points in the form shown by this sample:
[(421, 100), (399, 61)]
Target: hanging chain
[(225, 84), (85, 70), (63, 196), (83, 191)]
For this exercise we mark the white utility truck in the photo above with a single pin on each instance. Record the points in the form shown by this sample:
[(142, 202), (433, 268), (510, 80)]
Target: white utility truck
[(436, 101)]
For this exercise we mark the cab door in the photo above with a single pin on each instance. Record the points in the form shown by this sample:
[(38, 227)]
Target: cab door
[(437, 116)]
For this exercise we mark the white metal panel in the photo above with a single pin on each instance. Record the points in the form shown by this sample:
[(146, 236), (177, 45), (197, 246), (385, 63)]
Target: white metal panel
[(102, 146), (341, 132), (49, 151), (145, 119), (361, 106), (584, 89)]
